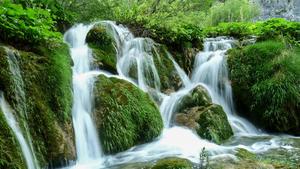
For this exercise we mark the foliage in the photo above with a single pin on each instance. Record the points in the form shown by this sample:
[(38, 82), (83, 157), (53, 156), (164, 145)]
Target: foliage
[(265, 78), (60, 10), (173, 163), (232, 11), (278, 27), (270, 29), (125, 115), (25, 25)]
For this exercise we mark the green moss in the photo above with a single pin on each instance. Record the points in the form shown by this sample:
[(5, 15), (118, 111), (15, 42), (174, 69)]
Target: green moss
[(265, 79), (245, 154), (197, 97), (47, 86), (214, 125), (196, 111), (173, 163), (125, 115), (10, 152), (104, 52), (167, 74), (47, 75)]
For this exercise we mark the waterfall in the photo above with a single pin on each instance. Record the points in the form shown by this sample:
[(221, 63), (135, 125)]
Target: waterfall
[(134, 54), (14, 125), (87, 144), (211, 69), (20, 98)]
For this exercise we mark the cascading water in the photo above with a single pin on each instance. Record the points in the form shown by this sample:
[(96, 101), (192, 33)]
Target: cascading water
[(136, 53), (211, 70), (87, 144), (20, 98), (13, 124)]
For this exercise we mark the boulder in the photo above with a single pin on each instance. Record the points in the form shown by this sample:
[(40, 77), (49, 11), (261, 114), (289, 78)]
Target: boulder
[(197, 112), (125, 115), (103, 50)]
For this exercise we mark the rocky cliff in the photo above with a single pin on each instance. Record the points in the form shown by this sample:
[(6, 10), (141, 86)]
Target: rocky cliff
[(289, 9)]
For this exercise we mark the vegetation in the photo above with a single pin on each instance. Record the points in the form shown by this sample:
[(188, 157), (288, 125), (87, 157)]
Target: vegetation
[(173, 163), (265, 76), (270, 29), (125, 115), (48, 99), (265, 79), (19, 25), (104, 52)]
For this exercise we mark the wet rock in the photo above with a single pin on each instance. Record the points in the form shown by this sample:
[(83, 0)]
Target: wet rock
[(197, 112)]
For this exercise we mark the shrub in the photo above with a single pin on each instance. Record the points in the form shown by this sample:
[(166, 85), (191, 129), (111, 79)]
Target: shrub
[(265, 79), (19, 25)]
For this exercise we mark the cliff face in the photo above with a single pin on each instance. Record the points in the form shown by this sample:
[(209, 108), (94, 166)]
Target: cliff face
[(289, 9)]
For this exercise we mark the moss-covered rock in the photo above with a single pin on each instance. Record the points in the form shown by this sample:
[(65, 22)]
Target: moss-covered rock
[(10, 151), (173, 163), (46, 84), (125, 115), (167, 73), (265, 79), (103, 49), (197, 112)]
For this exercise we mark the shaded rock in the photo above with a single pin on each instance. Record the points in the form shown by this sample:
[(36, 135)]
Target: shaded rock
[(125, 115), (197, 112), (103, 49)]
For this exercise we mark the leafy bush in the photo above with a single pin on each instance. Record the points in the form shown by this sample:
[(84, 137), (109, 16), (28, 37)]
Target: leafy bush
[(233, 29), (232, 11), (270, 29), (25, 25), (265, 79), (276, 27)]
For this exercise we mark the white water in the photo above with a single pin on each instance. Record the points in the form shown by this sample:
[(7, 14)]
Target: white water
[(88, 148), (134, 53), (19, 95), (210, 71), (13, 124)]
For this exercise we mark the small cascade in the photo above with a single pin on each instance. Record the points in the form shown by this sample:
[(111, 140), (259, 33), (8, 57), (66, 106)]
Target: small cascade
[(211, 70), (134, 55), (18, 86), (14, 125), (19, 95), (86, 137)]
